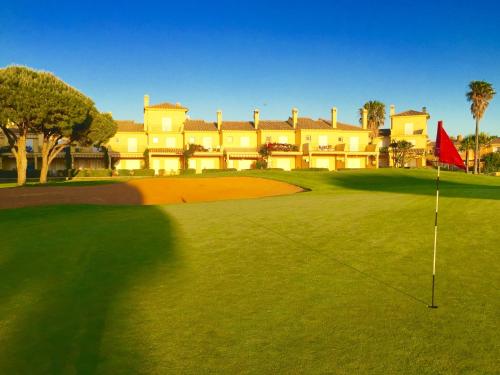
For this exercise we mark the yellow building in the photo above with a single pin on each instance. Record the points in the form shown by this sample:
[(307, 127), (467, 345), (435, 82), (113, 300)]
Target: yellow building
[(410, 126), (128, 146)]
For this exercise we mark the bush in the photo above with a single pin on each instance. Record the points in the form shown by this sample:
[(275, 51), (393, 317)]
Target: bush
[(8, 174), (275, 169), (492, 162), (125, 172), (188, 171), (91, 173), (219, 170), (310, 169), (261, 164), (143, 172)]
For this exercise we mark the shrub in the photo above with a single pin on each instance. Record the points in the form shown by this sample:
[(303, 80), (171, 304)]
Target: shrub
[(144, 172), (219, 170), (275, 169), (492, 162), (161, 172), (261, 164), (310, 169), (188, 171), (125, 172), (8, 174), (91, 173)]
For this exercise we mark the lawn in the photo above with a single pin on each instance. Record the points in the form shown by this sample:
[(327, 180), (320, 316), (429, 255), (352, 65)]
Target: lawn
[(334, 280)]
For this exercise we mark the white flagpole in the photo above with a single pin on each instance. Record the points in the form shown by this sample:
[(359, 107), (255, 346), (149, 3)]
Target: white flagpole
[(435, 239)]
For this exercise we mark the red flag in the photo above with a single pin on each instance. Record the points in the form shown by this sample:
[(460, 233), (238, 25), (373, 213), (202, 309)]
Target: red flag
[(445, 149)]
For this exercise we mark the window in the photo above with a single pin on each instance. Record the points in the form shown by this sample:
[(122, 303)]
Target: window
[(341, 139), (166, 124), (207, 143), (229, 139), (192, 140), (408, 128), (354, 144), (155, 140), (323, 140), (245, 141), (132, 145), (282, 139), (170, 142)]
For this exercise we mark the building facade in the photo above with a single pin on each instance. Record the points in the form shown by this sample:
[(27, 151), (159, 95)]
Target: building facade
[(169, 141)]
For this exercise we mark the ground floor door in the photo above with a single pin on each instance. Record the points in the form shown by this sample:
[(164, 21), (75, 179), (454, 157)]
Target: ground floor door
[(171, 166), (285, 164), (207, 164), (354, 163), (244, 164), (156, 165), (322, 163), (132, 164)]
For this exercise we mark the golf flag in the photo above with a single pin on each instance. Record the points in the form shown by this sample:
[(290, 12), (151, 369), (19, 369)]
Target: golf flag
[(445, 149)]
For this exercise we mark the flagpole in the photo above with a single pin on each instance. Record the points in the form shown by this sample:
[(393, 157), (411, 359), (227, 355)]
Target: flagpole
[(432, 306)]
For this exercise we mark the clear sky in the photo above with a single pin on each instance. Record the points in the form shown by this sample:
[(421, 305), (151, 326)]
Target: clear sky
[(237, 56)]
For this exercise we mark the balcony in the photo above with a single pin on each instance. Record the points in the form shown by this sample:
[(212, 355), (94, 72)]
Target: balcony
[(276, 149), (243, 152)]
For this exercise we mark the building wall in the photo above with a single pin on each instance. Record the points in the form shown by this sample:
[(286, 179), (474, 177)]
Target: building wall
[(233, 139), (202, 138)]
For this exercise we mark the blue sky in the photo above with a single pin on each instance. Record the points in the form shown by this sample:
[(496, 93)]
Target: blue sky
[(237, 56)]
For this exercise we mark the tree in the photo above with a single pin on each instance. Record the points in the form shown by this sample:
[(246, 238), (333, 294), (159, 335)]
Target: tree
[(376, 116), (466, 144), (492, 162), (19, 113), (480, 95), (400, 152)]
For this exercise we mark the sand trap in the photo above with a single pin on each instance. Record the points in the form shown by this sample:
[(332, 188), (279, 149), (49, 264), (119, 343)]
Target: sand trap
[(148, 191)]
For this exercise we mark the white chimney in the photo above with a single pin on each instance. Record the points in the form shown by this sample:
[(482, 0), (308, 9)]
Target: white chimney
[(334, 117)]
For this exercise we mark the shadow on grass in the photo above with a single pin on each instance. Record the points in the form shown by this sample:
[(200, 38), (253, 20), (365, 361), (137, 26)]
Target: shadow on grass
[(63, 270), (424, 183)]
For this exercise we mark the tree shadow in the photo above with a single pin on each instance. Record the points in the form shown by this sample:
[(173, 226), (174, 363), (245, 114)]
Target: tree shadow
[(452, 184), (62, 270)]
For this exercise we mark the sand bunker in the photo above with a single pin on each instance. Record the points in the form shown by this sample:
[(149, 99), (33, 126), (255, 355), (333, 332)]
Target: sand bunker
[(148, 191)]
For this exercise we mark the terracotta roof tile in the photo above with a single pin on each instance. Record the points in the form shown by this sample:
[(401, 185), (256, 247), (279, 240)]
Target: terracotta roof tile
[(129, 126), (496, 140), (412, 112), (309, 123), (199, 125), (275, 125), (167, 105), (237, 125)]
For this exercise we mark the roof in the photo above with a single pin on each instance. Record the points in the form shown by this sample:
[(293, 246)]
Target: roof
[(167, 105), (275, 125), (308, 123), (496, 140), (412, 112), (237, 125), (199, 125), (129, 126)]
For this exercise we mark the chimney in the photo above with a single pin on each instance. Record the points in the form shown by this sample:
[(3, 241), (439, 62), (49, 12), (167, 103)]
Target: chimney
[(392, 111), (334, 117), (295, 113), (146, 101), (365, 118), (256, 118), (424, 109), (219, 119)]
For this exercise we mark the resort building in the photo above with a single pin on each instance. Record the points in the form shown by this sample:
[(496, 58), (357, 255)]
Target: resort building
[(169, 141), (410, 126)]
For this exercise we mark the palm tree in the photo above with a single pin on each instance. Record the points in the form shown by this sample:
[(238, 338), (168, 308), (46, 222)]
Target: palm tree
[(484, 140), (467, 144), (376, 116), (480, 95)]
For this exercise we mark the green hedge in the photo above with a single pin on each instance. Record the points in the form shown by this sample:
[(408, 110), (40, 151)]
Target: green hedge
[(143, 172), (219, 170), (188, 171), (124, 172), (310, 169), (30, 173), (92, 173), (275, 169)]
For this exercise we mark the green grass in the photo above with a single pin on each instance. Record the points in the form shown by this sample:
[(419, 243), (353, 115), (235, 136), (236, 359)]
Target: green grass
[(335, 280)]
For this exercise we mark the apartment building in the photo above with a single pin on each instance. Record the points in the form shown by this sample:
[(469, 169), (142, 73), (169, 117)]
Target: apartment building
[(161, 141), (410, 126)]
